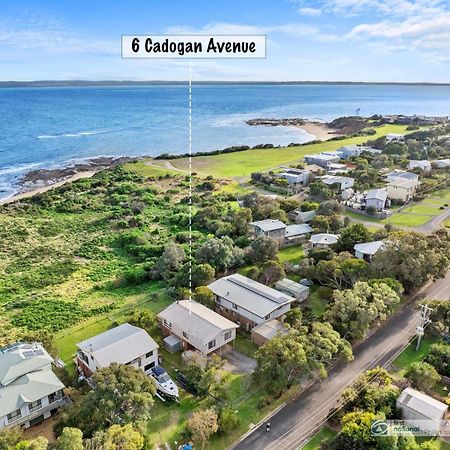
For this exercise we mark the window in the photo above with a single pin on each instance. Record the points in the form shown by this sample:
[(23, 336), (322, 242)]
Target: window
[(212, 344), (149, 366), (167, 324), (185, 335), (55, 396), (147, 355), (234, 306), (15, 415), (227, 335), (34, 406)]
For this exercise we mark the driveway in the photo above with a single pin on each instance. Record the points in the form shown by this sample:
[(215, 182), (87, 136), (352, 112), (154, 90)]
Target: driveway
[(237, 362)]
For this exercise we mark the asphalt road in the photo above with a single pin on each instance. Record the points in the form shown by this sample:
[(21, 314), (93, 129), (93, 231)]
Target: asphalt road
[(292, 425)]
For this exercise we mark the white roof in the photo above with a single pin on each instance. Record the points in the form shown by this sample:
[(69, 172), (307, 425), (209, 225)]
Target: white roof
[(250, 295), (419, 162), (291, 286), (269, 224), (26, 376), (402, 183), (368, 248), (330, 179), (422, 403), (121, 345), (324, 238), (402, 174), (196, 320), (270, 329), (323, 156), (379, 194), (293, 231)]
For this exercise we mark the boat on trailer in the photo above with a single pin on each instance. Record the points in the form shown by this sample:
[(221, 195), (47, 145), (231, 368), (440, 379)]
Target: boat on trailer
[(164, 384)]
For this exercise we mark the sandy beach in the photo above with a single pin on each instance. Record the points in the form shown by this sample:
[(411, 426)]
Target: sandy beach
[(40, 190), (320, 130)]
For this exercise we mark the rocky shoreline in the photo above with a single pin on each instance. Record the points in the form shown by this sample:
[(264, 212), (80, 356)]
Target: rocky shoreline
[(295, 121)]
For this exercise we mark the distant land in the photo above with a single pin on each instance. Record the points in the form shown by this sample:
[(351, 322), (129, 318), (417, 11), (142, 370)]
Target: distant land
[(63, 83)]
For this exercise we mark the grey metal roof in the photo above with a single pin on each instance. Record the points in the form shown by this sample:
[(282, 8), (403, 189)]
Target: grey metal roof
[(306, 216), (26, 376), (291, 286), (255, 297), (368, 248), (402, 174), (121, 344), (22, 359), (422, 403), (297, 230), (329, 179), (324, 238), (379, 194), (196, 320), (269, 224), (270, 329)]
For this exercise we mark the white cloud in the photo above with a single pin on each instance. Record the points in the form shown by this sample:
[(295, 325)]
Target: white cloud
[(309, 11)]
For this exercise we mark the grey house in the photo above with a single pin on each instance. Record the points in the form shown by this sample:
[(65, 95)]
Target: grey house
[(274, 229), (376, 198)]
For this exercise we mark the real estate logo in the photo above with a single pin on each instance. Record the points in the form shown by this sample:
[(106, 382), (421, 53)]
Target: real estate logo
[(379, 428)]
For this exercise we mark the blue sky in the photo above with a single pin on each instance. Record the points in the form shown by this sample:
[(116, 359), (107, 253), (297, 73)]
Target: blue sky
[(332, 40)]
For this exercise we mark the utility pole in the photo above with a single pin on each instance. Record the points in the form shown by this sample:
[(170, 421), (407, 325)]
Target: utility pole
[(424, 319)]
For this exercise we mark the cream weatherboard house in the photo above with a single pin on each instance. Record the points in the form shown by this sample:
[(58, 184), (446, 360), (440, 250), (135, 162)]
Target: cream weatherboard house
[(125, 344), (29, 390), (247, 302)]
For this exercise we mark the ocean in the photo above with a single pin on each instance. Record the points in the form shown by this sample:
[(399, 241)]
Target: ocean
[(55, 126)]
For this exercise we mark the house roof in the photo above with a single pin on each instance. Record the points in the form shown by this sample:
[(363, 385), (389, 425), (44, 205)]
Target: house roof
[(330, 179), (422, 403), (323, 238), (323, 156), (270, 329), (293, 171), (402, 174), (291, 286), (26, 376), (121, 344), (420, 163), (368, 248), (379, 194), (20, 359), (196, 320), (402, 183), (269, 224), (306, 216), (250, 295), (293, 231)]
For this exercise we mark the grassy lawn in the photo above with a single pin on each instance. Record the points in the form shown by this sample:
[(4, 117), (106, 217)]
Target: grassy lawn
[(325, 435), (245, 346), (409, 355), (441, 444), (317, 304), (241, 164), (291, 254)]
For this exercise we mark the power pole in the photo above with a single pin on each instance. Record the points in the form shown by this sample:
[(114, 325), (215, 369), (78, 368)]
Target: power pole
[(424, 319)]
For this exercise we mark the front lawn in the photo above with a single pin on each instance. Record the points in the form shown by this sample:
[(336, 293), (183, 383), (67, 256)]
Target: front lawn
[(291, 254), (325, 435), (317, 303), (245, 346), (410, 355)]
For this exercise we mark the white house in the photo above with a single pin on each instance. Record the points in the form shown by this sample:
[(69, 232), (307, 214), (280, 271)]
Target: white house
[(417, 406), (367, 249), (274, 229), (247, 302), (441, 163), (29, 390), (401, 174), (295, 176), (421, 164), (393, 137), (402, 190), (347, 194), (323, 240), (125, 344), (322, 159), (350, 150), (342, 182), (196, 327), (376, 198)]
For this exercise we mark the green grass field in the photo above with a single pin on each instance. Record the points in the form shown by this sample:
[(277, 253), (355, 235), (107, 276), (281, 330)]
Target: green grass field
[(410, 355), (325, 435), (240, 164), (317, 304), (291, 254)]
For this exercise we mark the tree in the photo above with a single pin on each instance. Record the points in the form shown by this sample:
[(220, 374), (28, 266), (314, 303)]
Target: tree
[(281, 360), (413, 258), (354, 311), (9, 437), (170, 261), (202, 425), (422, 375), (294, 318), (202, 274), (70, 439), (201, 376), (356, 233), (221, 253), (330, 208), (262, 249), (117, 437), (439, 358), (271, 271), (241, 218), (205, 296), (228, 420), (123, 394)]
